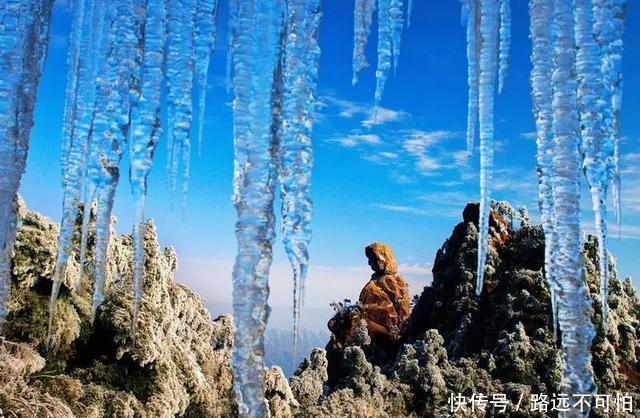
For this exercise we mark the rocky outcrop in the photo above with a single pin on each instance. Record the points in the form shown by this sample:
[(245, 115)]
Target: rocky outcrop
[(178, 364), (499, 343)]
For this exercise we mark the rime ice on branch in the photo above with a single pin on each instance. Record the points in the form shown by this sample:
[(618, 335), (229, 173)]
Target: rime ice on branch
[(256, 48), (24, 37), (573, 297), (297, 88)]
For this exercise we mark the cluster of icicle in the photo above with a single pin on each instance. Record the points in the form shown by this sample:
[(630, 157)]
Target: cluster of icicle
[(24, 37), (390, 26), (120, 54), (488, 32), (275, 56), (576, 89)]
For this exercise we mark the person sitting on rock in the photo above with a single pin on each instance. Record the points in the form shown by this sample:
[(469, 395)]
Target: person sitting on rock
[(385, 298)]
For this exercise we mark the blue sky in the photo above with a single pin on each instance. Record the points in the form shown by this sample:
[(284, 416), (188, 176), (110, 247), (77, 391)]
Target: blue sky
[(400, 178)]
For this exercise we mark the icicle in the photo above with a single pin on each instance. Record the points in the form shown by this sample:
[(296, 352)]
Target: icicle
[(396, 15), (608, 29), (486, 88), (231, 27), (180, 72), (204, 42), (362, 20), (573, 301), (86, 219), (385, 47), (540, 12), (78, 127), (409, 13), (471, 19), (145, 132), (24, 37), (505, 42), (298, 94), (597, 147), (255, 57), (112, 125)]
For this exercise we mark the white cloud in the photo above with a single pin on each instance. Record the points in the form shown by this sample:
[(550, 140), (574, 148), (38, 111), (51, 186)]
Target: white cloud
[(372, 115), (381, 115), (529, 135), (420, 145), (405, 209), (355, 139)]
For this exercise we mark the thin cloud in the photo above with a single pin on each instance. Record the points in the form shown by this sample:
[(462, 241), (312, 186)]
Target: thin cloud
[(353, 140), (381, 115)]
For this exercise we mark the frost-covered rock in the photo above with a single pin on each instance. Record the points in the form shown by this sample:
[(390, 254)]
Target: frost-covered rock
[(499, 343)]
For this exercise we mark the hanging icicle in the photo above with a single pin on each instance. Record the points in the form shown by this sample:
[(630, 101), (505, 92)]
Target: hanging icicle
[(471, 21), (505, 42), (112, 125), (597, 146), (81, 93), (385, 47), (486, 89), (573, 301), (409, 13), (362, 20), (540, 12), (608, 29), (256, 52), (396, 15), (204, 42), (24, 37), (180, 73), (145, 133), (298, 84)]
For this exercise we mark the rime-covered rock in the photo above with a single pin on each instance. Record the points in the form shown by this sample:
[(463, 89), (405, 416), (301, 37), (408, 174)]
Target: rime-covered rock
[(499, 343)]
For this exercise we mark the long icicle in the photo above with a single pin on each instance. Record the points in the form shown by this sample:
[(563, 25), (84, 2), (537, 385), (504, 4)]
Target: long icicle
[(145, 133), (204, 42), (24, 37), (471, 21), (609, 28), (362, 20), (180, 73), (573, 297), (540, 12), (409, 13), (487, 81), (385, 47), (597, 146), (74, 151), (505, 42), (295, 154), (255, 57), (111, 126), (396, 15)]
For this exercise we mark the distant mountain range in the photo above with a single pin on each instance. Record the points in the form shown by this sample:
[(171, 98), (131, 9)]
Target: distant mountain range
[(278, 346)]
